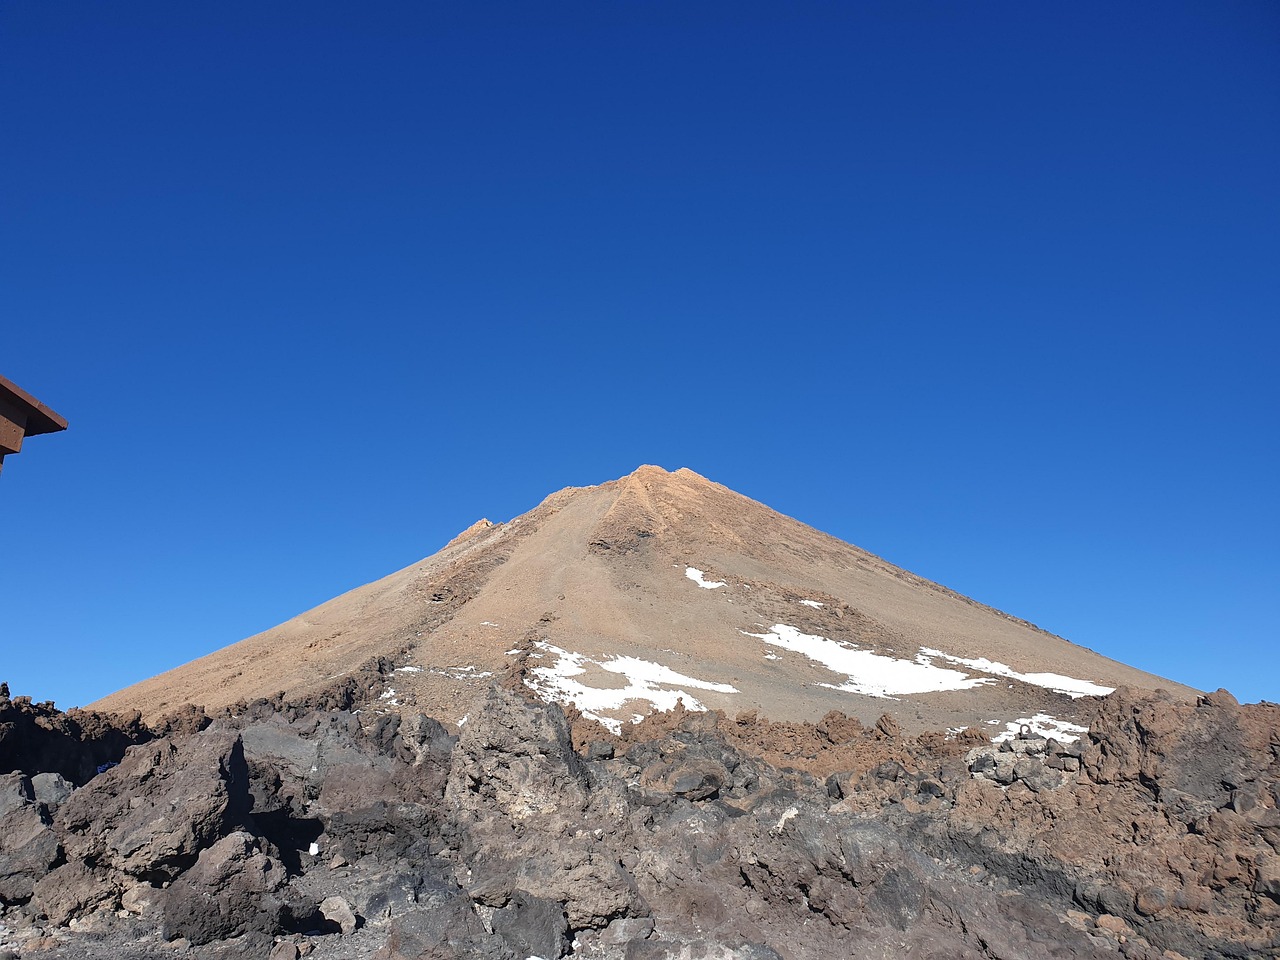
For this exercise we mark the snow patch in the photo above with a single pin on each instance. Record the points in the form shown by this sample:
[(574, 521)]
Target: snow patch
[(1042, 725), (869, 674), (1050, 681), (463, 673), (408, 669), (694, 574), (645, 681), (812, 603)]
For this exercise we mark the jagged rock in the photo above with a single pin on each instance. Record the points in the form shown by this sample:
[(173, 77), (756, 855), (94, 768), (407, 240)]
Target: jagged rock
[(532, 926), (15, 791), (230, 891), (624, 930), (73, 890), (699, 950), (29, 848), (151, 816), (51, 789), (520, 794), (448, 931), (517, 759), (1268, 881), (37, 738), (899, 896), (926, 853)]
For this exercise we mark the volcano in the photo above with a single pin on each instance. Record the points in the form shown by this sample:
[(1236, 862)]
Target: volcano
[(656, 589), (446, 763)]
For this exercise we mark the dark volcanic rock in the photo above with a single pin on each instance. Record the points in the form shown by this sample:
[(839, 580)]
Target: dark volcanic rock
[(72, 890), (232, 890), (29, 848), (530, 821), (36, 738), (290, 832), (447, 931), (532, 926), (150, 816)]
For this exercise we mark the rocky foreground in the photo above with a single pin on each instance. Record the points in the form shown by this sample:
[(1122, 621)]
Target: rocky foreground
[(278, 831)]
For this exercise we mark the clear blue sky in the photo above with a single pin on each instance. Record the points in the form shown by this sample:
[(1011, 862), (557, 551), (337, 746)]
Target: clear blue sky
[(991, 290)]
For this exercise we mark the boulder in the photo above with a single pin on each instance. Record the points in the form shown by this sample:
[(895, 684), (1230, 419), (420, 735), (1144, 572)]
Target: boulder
[(447, 931), (337, 911), (51, 789), (29, 848), (74, 890), (15, 791), (232, 890), (151, 816), (532, 926), (516, 759)]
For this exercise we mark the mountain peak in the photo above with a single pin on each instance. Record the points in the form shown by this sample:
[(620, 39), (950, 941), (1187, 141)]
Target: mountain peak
[(656, 588)]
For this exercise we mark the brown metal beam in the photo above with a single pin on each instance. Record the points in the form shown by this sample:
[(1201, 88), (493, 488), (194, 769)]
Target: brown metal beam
[(21, 416)]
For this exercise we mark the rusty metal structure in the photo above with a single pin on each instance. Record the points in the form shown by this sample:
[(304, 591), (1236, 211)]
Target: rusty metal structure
[(22, 416)]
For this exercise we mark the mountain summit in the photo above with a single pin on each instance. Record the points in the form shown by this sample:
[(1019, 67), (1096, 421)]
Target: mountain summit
[(658, 588)]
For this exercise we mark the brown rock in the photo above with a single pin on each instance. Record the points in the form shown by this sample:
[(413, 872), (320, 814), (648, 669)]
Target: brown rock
[(1114, 926), (1151, 900), (1268, 880), (72, 890), (337, 910)]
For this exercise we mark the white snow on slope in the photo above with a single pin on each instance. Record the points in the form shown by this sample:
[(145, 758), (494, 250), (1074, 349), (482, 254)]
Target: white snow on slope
[(869, 674), (1050, 681), (557, 684), (1042, 725), (811, 603), (694, 574), (469, 672)]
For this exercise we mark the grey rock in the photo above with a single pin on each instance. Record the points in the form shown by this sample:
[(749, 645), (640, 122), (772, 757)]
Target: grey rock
[(51, 789), (165, 802), (518, 759), (531, 926), (899, 896), (448, 931), (696, 784), (698, 950), (1268, 881), (15, 792), (626, 929), (231, 891), (28, 849)]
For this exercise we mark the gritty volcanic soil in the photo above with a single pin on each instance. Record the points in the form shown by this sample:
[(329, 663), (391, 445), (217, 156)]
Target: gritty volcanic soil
[(325, 828)]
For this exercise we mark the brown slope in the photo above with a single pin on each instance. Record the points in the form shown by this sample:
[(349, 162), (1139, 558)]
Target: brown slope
[(599, 573)]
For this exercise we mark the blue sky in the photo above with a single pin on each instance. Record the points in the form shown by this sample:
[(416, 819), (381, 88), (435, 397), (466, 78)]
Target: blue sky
[(989, 290)]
